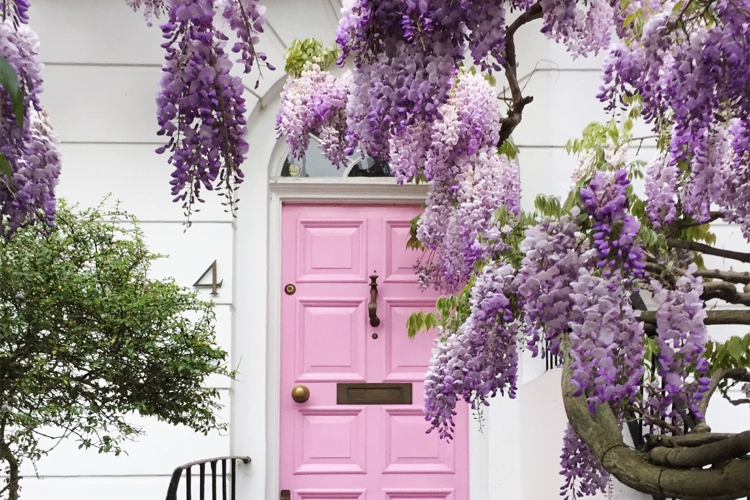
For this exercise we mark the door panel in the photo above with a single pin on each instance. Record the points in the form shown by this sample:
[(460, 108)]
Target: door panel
[(358, 451)]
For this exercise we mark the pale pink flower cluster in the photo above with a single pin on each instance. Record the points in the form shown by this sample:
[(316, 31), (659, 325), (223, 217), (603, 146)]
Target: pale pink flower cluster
[(315, 104), (582, 31)]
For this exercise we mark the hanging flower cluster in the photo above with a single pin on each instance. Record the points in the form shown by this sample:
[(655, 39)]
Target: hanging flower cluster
[(480, 359), (545, 276), (27, 142), (682, 337), (583, 473), (200, 105), (580, 30), (470, 181), (615, 231), (699, 85), (315, 103)]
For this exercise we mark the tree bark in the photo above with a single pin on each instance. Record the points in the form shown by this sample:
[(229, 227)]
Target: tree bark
[(515, 111), (7, 455), (729, 480), (707, 249), (725, 317)]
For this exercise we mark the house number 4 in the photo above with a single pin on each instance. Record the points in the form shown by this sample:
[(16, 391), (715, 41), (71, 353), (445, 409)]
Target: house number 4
[(214, 285)]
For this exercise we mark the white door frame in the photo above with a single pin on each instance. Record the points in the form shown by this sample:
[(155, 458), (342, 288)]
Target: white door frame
[(359, 190)]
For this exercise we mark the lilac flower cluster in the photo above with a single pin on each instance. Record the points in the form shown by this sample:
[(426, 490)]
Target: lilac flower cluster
[(710, 173), (32, 153), (470, 180), (735, 198), (480, 359), (547, 270), (492, 181), (584, 475), (458, 222), (406, 55), (661, 191), (151, 8), (15, 11), (581, 31), (200, 107), (470, 126), (246, 18), (698, 83), (614, 230), (606, 341), (681, 337), (315, 103)]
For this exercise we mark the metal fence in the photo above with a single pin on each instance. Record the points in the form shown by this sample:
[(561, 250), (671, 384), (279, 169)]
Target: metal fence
[(219, 479)]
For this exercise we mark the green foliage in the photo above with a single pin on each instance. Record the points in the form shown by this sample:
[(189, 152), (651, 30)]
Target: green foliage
[(699, 233), (509, 149), (86, 338), (548, 206), (452, 312), (9, 82), (414, 242), (302, 54), (734, 353)]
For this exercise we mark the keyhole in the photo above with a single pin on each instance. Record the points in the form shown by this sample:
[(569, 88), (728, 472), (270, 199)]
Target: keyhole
[(375, 336)]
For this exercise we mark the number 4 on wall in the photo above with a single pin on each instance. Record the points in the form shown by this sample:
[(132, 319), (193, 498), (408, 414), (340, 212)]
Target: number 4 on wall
[(214, 285)]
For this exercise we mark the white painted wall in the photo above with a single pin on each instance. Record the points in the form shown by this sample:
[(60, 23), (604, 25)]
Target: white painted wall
[(102, 68)]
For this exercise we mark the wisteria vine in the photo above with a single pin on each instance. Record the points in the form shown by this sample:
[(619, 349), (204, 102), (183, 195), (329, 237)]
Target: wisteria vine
[(27, 142)]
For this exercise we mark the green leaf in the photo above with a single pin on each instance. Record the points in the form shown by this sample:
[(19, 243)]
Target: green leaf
[(5, 166), (9, 81), (632, 17), (509, 149), (734, 348)]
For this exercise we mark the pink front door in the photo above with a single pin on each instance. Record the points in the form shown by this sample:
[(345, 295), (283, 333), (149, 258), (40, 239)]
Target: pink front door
[(333, 446)]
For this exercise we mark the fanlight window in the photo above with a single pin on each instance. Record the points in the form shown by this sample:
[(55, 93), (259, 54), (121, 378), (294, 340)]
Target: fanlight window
[(315, 165)]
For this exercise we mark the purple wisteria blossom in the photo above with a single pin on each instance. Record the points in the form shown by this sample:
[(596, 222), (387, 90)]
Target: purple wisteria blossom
[(681, 337), (545, 276), (315, 104), (480, 359), (246, 18), (606, 341), (661, 191), (200, 105), (582, 31), (583, 473), (615, 231), (31, 151)]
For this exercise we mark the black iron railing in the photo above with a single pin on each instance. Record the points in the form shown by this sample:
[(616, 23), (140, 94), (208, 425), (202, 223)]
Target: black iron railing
[(551, 361), (216, 476)]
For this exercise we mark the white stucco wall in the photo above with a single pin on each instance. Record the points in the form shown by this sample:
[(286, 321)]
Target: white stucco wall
[(102, 68)]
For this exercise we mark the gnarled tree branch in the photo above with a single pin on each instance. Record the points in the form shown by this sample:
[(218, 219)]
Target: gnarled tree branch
[(727, 317), (700, 456), (729, 480), (692, 439), (708, 249), (518, 101), (724, 291), (739, 374), (730, 276)]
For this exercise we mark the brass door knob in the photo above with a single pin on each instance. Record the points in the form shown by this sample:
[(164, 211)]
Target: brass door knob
[(300, 393)]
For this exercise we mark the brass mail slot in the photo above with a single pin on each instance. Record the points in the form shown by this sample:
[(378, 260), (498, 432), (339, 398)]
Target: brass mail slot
[(373, 394)]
